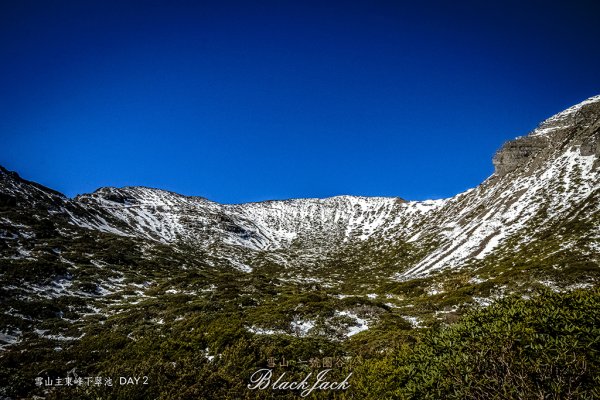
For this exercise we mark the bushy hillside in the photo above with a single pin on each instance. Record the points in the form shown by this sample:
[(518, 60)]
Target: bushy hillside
[(547, 347), (196, 295)]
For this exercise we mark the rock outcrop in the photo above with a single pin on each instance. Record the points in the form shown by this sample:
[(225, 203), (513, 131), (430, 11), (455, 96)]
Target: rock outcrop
[(578, 125), (518, 152)]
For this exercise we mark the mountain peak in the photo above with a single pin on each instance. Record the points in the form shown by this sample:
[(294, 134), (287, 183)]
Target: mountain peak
[(547, 175), (577, 126), (11, 182), (586, 111)]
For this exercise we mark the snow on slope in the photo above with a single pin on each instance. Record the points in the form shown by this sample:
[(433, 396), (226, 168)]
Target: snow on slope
[(555, 174), (564, 119), (474, 225), (165, 216), (553, 169)]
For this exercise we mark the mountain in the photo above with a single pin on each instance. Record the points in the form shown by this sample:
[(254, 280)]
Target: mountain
[(348, 270), (552, 171)]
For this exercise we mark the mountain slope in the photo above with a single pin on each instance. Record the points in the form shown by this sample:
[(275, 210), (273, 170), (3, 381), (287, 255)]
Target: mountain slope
[(539, 179), (129, 273)]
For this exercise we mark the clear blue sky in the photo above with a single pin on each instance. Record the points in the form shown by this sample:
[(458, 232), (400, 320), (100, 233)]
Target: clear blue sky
[(246, 101)]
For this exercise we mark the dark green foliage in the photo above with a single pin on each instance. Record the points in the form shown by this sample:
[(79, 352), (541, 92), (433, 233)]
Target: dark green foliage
[(184, 317), (546, 347)]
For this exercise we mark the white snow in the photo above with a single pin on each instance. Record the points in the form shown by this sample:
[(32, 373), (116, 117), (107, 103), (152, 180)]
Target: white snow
[(561, 120), (483, 301), (302, 328), (414, 321), (360, 325), (508, 210), (42, 333), (239, 265), (263, 331), (9, 337)]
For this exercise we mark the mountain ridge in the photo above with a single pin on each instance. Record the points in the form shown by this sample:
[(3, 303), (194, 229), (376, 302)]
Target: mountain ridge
[(566, 143), (122, 271)]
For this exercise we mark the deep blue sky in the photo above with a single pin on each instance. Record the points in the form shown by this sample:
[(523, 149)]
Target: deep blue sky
[(245, 101)]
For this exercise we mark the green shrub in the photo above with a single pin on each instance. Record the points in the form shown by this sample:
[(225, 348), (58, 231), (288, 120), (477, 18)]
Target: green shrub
[(543, 348)]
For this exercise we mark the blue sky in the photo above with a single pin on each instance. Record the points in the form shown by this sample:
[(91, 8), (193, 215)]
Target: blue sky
[(249, 101)]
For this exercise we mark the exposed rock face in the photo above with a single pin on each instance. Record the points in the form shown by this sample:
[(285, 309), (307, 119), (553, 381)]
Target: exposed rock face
[(592, 145), (517, 152), (578, 125)]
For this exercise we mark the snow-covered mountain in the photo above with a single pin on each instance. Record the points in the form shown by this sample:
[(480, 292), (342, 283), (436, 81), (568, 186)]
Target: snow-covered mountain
[(550, 176), (544, 178), (127, 268)]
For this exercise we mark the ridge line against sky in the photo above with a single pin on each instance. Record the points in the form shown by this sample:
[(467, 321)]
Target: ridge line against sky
[(296, 198), (240, 102)]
